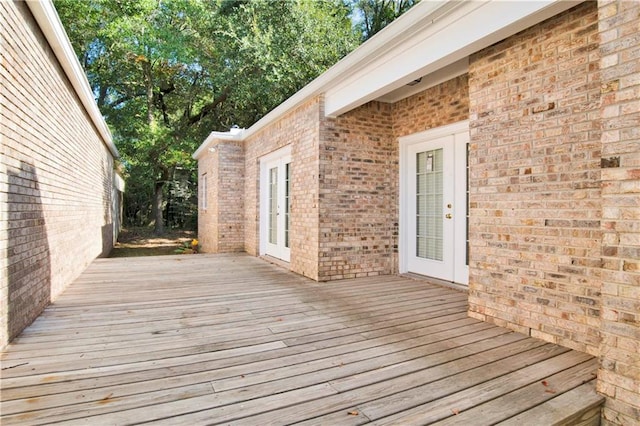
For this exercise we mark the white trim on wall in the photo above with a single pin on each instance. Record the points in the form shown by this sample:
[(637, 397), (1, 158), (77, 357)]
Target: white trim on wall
[(203, 192), (430, 41), (264, 193)]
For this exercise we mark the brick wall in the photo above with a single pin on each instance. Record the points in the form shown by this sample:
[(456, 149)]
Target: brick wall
[(207, 205), (535, 209), (359, 178), (300, 128), (56, 176), (619, 375), (358, 194), (446, 103), (221, 223)]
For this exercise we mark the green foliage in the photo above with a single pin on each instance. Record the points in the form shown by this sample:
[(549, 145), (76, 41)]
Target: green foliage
[(167, 73), (374, 15)]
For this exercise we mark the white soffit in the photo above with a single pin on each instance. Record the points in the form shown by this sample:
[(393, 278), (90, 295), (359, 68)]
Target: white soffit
[(447, 35), (49, 22), (440, 76)]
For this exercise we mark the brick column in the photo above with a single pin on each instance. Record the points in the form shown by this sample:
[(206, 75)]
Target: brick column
[(221, 216), (619, 375), (534, 226)]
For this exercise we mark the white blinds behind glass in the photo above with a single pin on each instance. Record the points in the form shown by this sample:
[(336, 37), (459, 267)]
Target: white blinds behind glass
[(429, 207)]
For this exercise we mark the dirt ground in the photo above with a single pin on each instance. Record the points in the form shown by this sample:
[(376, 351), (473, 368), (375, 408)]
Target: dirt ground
[(141, 242)]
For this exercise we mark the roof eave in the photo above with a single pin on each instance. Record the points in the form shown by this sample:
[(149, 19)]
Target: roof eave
[(236, 135)]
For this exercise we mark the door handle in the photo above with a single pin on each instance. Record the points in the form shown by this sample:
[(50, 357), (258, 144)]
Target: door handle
[(448, 216)]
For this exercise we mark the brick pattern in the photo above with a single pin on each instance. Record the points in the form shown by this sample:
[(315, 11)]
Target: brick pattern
[(619, 375), (358, 194), (221, 223), (208, 192), (56, 176), (535, 209), (300, 129), (446, 103), (359, 177), (304, 128)]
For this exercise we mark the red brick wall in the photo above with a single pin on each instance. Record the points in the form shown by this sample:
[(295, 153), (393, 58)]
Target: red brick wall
[(55, 174), (535, 207), (619, 375), (221, 223)]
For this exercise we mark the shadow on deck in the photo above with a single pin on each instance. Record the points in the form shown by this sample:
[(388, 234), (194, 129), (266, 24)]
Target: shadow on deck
[(232, 339)]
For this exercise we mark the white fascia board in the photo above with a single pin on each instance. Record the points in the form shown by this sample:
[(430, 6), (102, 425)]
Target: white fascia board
[(231, 135), (463, 29), (49, 22)]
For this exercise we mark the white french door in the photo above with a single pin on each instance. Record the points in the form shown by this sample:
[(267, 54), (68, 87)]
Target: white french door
[(433, 203), (275, 204)]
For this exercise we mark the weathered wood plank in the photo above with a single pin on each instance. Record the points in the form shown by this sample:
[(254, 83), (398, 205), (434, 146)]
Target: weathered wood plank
[(349, 363), (229, 338), (82, 381), (199, 408), (414, 409), (436, 377), (579, 406), (9, 382), (109, 402), (510, 404), (129, 354)]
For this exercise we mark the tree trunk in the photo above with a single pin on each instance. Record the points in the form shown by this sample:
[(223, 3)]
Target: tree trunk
[(158, 198), (148, 82), (158, 195)]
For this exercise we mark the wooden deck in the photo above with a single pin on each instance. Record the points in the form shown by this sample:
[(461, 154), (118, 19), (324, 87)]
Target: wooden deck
[(207, 339)]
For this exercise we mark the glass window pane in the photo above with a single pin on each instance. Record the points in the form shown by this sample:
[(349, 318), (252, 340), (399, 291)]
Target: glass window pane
[(273, 205), (287, 203), (429, 207)]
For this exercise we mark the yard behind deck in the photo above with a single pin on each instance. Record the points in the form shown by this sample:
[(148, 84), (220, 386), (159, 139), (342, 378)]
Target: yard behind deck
[(205, 339)]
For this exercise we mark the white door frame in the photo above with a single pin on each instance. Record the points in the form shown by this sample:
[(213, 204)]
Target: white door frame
[(461, 132), (281, 156)]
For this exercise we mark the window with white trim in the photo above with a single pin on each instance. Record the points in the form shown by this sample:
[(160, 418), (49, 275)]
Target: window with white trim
[(203, 191)]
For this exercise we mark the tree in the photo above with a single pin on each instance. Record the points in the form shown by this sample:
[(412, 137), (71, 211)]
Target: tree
[(374, 15), (166, 73)]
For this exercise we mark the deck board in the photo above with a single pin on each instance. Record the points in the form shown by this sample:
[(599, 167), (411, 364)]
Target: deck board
[(211, 339)]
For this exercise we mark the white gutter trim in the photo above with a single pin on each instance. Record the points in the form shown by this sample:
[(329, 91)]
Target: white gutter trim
[(231, 135), (49, 22)]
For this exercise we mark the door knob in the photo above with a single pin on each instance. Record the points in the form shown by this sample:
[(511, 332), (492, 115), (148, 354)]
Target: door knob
[(448, 216)]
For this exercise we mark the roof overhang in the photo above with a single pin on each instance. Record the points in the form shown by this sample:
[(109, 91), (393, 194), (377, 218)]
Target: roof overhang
[(431, 42), (49, 22), (232, 135)]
